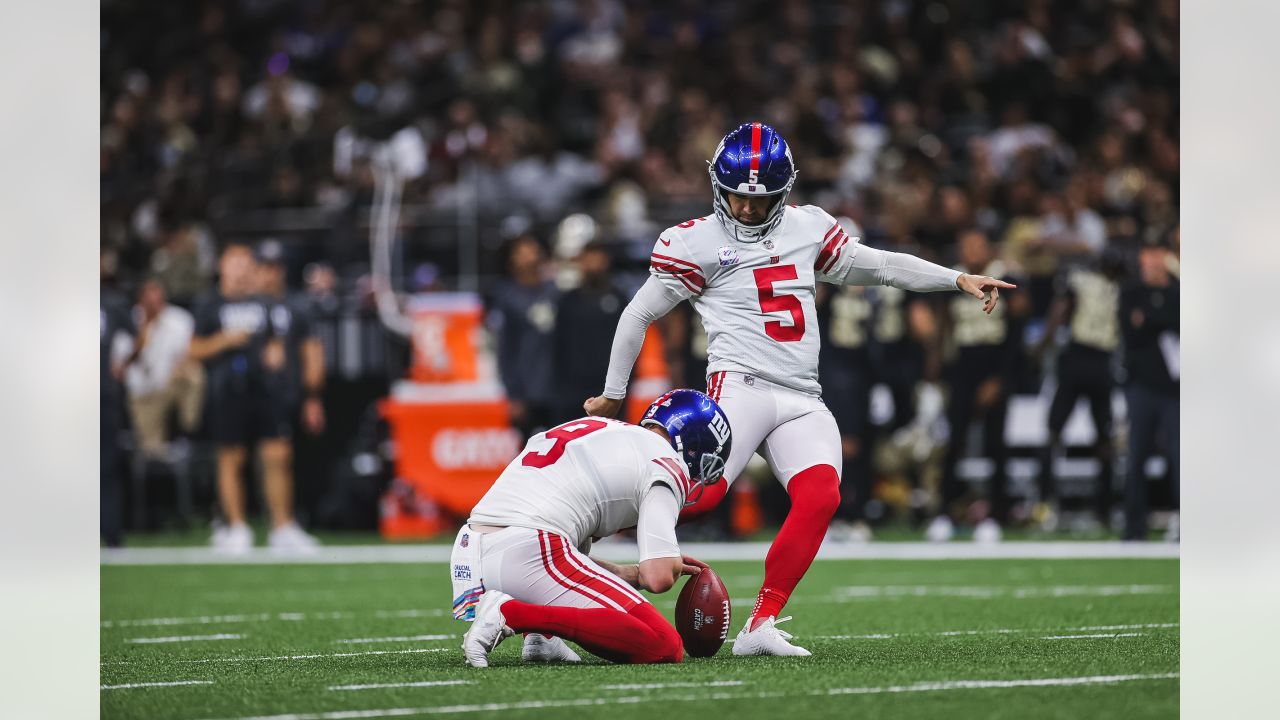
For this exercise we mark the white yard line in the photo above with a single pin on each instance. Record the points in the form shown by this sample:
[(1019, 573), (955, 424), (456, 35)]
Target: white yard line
[(266, 617), (315, 656), (663, 686), (623, 551), (943, 686), (855, 593), (176, 683), (184, 638), (396, 638), (1004, 631), (1082, 637), (383, 686)]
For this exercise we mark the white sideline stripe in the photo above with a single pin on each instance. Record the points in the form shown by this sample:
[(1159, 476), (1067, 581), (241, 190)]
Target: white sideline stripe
[(636, 699), (1079, 637), (397, 638), (625, 551), (130, 686), (266, 617), (1003, 631), (184, 638), (381, 686), (663, 686)]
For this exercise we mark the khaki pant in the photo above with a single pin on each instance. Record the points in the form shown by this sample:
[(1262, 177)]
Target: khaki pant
[(150, 413)]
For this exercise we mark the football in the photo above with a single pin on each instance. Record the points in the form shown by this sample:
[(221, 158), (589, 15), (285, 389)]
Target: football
[(703, 614)]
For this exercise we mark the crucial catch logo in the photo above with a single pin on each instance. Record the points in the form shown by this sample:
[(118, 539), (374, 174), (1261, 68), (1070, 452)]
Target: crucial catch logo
[(461, 572), (728, 256)]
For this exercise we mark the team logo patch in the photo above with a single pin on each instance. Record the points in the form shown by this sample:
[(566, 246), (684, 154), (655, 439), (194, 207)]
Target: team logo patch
[(728, 256), (768, 244)]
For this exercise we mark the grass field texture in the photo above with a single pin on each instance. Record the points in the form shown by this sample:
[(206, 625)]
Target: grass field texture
[(911, 638)]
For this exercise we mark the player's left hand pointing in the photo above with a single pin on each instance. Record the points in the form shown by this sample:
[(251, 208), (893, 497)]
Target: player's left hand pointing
[(986, 289), (692, 566)]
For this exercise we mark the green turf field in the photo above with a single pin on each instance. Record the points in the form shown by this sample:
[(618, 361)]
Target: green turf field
[(912, 638)]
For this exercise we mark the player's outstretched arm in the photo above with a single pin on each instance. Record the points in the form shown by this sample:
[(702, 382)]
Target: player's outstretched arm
[(869, 266), (651, 302)]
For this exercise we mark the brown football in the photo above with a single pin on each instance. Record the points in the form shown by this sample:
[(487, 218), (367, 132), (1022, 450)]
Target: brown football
[(703, 614)]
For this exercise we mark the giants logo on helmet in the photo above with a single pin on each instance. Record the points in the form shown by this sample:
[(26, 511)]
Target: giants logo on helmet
[(719, 428)]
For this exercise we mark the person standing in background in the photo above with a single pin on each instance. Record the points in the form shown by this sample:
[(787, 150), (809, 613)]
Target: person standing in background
[(294, 385), (116, 348), (980, 378), (523, 317), (162, 378), (233, 337), (1089, 305), (585, 320), (1150, 316), (844, 364)]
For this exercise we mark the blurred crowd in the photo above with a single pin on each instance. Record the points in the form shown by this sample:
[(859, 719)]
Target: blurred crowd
[(1034, 139)]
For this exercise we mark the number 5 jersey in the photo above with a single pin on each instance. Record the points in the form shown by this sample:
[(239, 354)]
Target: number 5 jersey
[(756, 300)]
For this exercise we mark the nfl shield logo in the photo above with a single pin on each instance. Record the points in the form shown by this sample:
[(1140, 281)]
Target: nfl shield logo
[(728, 256), (466, 540)]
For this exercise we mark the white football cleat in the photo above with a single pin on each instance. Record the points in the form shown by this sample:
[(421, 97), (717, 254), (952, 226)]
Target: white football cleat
[(987, 532), (289, 539), (488, 629), (539, 648), (232, 539), (940, 530), (766, 639)]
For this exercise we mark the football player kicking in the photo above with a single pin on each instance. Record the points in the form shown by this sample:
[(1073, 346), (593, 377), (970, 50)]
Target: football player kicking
[(750, 275), (520, 563)]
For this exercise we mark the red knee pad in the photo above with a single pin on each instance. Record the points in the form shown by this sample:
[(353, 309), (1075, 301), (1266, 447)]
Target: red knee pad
[(816, 490)]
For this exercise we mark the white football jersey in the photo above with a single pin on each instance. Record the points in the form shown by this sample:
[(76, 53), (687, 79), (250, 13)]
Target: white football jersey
[(584, 479), (756, 300)]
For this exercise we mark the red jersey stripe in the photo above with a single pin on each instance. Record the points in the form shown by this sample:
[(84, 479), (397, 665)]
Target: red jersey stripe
[(676, 261), (835, 254), (689, 281)]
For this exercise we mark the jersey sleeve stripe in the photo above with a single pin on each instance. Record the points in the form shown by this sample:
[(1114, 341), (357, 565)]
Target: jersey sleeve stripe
[(690, 278), (677, 474), (831, 252), (676, 261), (829, 245)]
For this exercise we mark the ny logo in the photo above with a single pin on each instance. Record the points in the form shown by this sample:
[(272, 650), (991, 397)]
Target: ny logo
[(719, 428)]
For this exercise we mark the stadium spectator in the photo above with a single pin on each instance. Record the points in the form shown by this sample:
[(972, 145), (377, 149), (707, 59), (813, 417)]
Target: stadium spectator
[(1088, 304), (236, 339), (116, 349), (523, 318), (162, 379), (1149, 316), (986, 350), (586, 317)]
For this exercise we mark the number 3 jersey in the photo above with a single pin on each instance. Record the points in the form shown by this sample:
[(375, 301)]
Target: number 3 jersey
[(584, 479), (756, 300)]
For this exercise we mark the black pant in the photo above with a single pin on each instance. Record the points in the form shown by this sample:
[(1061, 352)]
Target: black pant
[(960, 412), (1082, 372), (1153, 417), (111, 484), (847, 394)]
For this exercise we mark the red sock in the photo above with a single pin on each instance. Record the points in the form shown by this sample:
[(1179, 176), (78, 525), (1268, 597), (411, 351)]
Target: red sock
[(640, 636), (815, 495)]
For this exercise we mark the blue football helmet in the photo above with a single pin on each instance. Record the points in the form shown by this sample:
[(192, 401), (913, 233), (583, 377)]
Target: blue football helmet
[(699, 431), (753, 159)]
